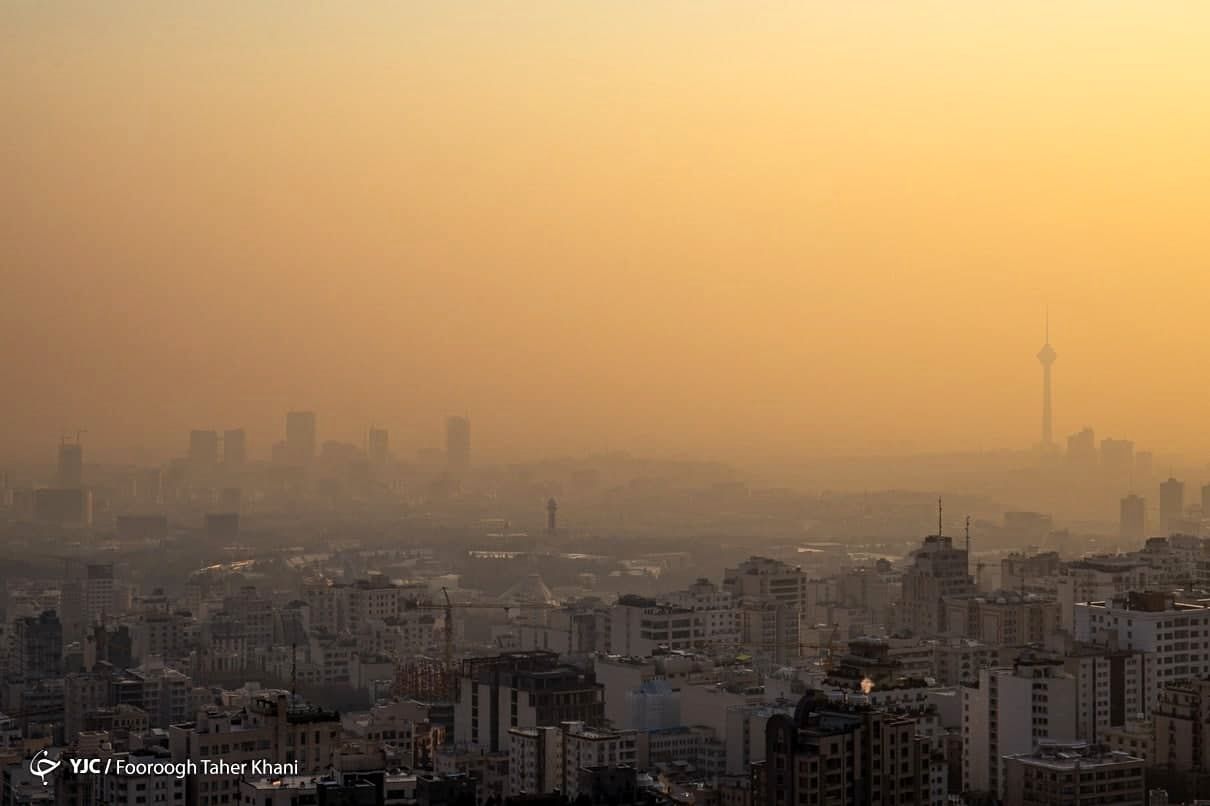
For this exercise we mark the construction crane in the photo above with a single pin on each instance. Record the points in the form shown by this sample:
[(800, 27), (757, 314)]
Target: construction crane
[(448, 608), (826, 646)]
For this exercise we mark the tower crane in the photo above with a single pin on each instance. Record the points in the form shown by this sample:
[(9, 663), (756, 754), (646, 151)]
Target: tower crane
[(449, 606)]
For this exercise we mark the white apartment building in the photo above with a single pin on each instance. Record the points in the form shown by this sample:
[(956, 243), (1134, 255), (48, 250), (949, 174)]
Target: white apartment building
[(715, 610), (1176, 635), (1098, 579), (535, 760), (639, 626), (1008, 712), (549, 758)]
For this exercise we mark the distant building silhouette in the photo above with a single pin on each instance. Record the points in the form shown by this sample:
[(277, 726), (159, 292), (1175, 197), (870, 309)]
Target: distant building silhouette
[(552, 516), (1047, 356), (203, 449), (63, 507), (458, 442), (70, 475), (1082, 449), (301, 437), (1117, 458), (1143, 466), (1132, 522), (1172, 503), (235, 447), (378, 444)]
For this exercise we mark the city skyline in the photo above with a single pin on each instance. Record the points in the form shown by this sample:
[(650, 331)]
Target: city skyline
[(470, 403), (594, 241), (457, 432)]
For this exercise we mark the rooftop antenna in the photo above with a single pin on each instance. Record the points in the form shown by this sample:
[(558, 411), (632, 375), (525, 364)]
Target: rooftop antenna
[(968, 544), (938, 516)]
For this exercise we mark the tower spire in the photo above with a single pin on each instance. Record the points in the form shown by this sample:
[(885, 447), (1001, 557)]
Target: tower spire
[(938, 516), (1046, 357)]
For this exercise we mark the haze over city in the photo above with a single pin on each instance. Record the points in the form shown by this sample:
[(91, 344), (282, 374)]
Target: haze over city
[(692, 229), (588, 403)]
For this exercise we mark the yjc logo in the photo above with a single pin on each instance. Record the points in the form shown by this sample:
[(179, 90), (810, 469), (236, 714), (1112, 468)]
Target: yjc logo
[(43, 765)]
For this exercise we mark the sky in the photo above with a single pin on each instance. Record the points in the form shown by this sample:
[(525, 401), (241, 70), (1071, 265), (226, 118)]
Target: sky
[(734, 230)]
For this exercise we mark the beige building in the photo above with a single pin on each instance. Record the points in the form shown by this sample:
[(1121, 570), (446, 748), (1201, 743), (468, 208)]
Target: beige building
[(771, 598), (1181, 716), (938, 570), (1003, 618), (1136, 737), (1008, 712), (272, 728)]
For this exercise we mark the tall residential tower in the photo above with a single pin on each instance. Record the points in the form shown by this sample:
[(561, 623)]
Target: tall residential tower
[(458, 443)]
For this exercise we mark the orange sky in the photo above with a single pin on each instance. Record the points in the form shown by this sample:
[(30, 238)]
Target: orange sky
[(733, 229)]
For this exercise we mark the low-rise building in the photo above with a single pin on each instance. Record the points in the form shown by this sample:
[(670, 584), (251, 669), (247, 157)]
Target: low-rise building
[(1064, 774)]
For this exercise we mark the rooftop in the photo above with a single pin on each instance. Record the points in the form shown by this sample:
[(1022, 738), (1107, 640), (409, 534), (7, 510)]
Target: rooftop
[(1075, 755)]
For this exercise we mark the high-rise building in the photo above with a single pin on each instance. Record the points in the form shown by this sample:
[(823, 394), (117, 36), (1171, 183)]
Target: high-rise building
[(301, 437), (1082, 449), (1047, 356), (1010, 711), (274, 728), (1172, 504), (378, 445), (235, 447), (1154, 623), (86, 598), (549, 758), (1110, 684), (1206, 500), (938, 570), (38, 645), (1132, 523), (1117, 459), (1182, 712), (203, 449), (70, 474), (841, 754), (771, 597), (522, 690), (458, 442), (1144, 463)]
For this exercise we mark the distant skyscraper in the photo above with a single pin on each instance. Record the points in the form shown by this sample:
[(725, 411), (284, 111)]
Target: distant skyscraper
[(1172, 503), (1082, 449), (1047, 356), (458, 442), (552, 516), (70, 474), (1143, 466), (1206, 500), (235, 447), (1132, 523), (378, 445), (300, 437), (1117, 458), (203, 449)]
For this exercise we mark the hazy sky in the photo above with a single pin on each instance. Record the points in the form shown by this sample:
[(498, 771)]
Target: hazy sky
[(732, 229)]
